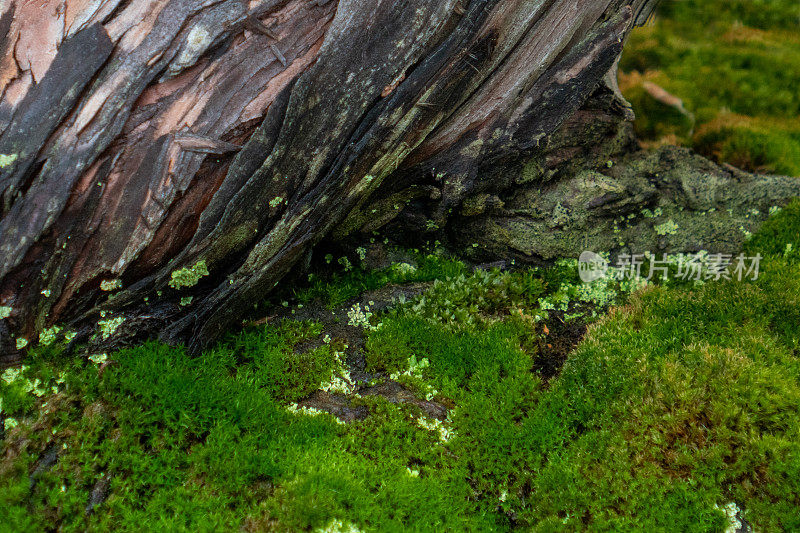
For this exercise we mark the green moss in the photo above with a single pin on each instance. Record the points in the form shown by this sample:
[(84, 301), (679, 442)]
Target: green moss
[(637, 433), (736, 66), (753, 146), (676, 404), (344, 285), (782, 229)]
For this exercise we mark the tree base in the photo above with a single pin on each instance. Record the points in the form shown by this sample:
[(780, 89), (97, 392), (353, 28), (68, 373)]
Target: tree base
[(593, 188)]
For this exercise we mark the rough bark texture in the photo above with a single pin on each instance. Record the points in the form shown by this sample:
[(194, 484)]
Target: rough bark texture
[(593, 188), (157, 150)]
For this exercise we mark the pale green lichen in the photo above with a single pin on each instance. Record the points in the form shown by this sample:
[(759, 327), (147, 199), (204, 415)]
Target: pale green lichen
[(5, 312), (404, 269), (560, 215), (109, 326), (21, 343), (47, 336), (98, 358), (275, 202), (360, 318), (415, 368), (10, 375), (37, 387), (110, 284), (337, 526), (296, 409), (188, 277), (667, 228), (7, 159), (435, 425)]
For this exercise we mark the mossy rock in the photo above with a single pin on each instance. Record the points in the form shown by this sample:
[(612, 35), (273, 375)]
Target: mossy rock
[(667, 201)]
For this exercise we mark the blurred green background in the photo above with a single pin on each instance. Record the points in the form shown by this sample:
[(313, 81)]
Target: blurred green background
[(735, 65)]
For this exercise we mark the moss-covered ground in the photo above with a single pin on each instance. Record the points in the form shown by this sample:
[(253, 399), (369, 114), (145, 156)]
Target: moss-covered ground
[(684, 399), (735, 64)]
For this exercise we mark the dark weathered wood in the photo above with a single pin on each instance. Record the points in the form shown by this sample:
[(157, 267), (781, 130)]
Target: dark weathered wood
[(142, 138)]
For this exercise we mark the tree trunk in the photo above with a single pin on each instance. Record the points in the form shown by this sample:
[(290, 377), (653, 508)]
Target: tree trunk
[(158, 150)]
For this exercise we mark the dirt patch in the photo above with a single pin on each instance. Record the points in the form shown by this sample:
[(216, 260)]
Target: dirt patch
[(561, 338), (339, 405), (398, 394)]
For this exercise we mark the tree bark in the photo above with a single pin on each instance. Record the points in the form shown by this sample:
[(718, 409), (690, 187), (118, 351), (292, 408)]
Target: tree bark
[(143, 144)]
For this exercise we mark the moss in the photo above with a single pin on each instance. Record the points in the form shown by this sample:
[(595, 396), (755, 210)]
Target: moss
[(675, 405), (679, 402), (342, 286), (758, 145), (188, 276), (736, 65), (374, 214), (479, 204), (532, 171), (782, 229)]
